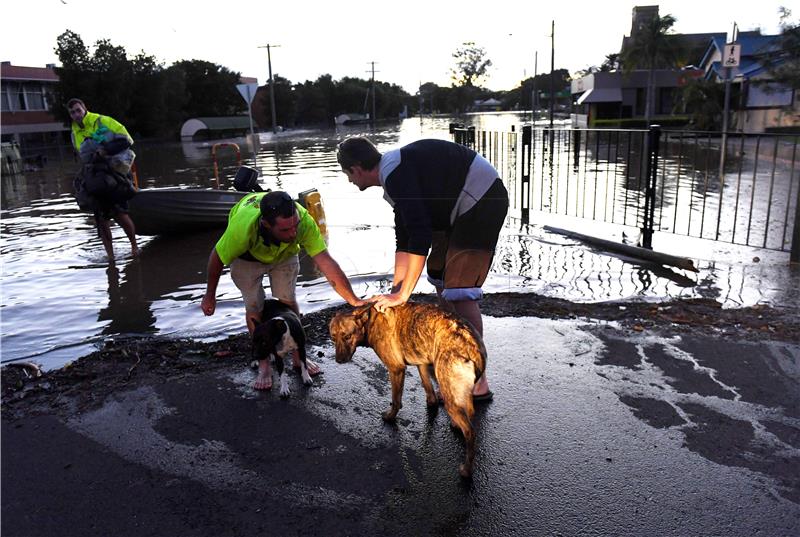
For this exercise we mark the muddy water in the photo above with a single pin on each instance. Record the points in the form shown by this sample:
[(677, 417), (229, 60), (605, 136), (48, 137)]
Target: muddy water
[(61, 299)]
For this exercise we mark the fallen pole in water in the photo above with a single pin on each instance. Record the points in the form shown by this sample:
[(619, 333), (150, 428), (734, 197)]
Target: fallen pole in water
[(632, 251)]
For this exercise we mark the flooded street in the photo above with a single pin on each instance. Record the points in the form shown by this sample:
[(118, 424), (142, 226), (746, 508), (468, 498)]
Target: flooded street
[(596, 428), (61, 299)]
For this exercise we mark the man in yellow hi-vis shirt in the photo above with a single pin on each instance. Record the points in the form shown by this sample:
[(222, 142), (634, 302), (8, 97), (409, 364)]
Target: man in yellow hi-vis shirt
[(265, 233), (102, 137)]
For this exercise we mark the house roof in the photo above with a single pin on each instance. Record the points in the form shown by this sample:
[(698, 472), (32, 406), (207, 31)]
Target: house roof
[(753, 47), (18, 72)]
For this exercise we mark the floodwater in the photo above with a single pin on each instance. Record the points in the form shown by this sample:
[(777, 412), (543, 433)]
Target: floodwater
[(61, 299)]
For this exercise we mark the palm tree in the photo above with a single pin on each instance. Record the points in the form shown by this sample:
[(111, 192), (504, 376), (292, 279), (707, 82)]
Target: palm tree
[(651, 46)]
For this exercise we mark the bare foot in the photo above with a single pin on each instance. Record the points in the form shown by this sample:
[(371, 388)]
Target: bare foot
[(134, 251), (264, 379), (311, 366)]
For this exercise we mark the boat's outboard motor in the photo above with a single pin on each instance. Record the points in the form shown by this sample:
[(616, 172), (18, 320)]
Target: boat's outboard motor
[(246, 180)]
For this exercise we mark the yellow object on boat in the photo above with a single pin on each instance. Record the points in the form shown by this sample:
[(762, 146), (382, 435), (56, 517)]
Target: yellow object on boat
[(312, 201)]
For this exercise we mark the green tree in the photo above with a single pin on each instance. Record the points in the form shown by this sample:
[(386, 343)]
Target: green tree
[(285, 103), (611, 63), (391, 99), (109, 82), (783, 62), (651, 47), (703, 100), (74, 57), (312, 101), (211, 89), (520, 97), (112, 73), (148, 100), (176, 99), (471, 65)]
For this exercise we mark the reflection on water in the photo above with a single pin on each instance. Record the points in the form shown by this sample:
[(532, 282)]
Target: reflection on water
[(60, 297)]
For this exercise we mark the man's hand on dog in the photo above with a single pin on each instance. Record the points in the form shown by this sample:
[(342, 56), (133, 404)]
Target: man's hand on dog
[(384, 302)]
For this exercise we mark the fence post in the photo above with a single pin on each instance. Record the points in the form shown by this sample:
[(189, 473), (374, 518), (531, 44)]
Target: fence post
[(576, 149), (458, 131), (525, 184), (794, 255), (653, 140)]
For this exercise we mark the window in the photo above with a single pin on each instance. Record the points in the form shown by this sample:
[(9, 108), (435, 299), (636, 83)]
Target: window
[(6, 99), (11, 97), (20, 97), (34, 96)]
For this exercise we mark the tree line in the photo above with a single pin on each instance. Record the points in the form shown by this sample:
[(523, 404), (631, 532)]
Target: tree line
[(154, 100)]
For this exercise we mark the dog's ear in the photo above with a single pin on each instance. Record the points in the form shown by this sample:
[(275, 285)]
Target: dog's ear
[(361, 316)]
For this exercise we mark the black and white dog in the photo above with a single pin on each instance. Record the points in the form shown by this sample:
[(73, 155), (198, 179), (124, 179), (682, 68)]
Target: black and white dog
[(279, 333)]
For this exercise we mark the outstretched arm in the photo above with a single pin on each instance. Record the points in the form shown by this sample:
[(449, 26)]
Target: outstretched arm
[(336, 277), (407, 270), (214, 271)]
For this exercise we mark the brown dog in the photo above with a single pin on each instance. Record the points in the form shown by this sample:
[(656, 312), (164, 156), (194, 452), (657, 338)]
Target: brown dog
[(420, 335)]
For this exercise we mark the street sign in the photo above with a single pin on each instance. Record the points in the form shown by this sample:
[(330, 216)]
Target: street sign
[(248, 91), (731, 55)]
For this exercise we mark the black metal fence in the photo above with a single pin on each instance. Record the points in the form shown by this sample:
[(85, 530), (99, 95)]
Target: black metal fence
[(743, 188)]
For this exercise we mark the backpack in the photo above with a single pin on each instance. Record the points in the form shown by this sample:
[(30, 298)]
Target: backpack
[(98, 182), (85, 201)]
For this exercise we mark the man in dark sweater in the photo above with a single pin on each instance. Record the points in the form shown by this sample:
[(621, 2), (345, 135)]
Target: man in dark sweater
[(449, 206)]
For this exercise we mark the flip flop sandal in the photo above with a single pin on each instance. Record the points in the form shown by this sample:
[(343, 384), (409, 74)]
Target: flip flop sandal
[(483, 398)]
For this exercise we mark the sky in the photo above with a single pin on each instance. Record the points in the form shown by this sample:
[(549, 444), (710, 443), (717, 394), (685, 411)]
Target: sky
[(410, 42)]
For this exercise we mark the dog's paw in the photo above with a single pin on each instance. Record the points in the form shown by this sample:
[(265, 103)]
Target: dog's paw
[(465, 470), (285, 390), (390, 415)]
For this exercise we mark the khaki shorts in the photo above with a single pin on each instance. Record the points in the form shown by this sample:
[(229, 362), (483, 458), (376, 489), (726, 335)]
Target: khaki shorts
[(461, 256), (248, 276)]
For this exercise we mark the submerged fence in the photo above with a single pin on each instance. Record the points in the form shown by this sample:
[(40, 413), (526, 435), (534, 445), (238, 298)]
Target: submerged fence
[(743, 190)]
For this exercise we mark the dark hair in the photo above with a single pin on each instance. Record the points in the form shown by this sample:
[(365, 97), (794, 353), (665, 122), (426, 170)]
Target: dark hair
[(74, 101), (275, 204), (357, 151)]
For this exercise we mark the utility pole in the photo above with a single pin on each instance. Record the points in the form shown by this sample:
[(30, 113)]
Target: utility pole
[(726, 107), (271, 88), (372, 117), (552, 70), (421, 101)]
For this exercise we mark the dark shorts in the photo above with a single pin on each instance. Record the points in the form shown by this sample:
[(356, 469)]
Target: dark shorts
[(461, 256), (107, 210)]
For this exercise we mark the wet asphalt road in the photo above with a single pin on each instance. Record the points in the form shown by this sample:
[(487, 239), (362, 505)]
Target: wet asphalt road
[(594, 430)]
